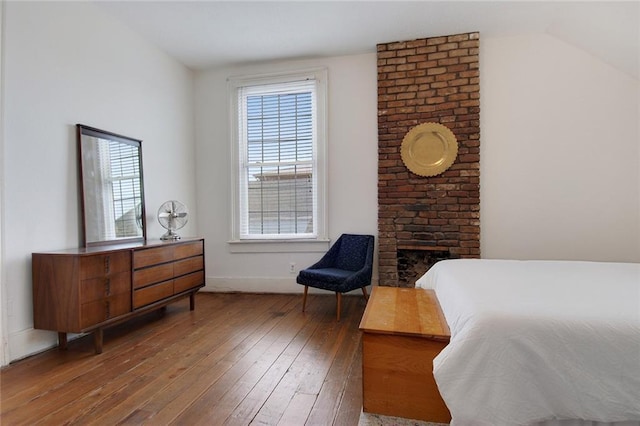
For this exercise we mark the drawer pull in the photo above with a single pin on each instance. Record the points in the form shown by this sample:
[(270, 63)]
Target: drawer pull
[(107, 287), (107, 264)]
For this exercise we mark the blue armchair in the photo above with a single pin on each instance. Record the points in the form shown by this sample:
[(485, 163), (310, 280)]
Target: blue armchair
[(347, 266)]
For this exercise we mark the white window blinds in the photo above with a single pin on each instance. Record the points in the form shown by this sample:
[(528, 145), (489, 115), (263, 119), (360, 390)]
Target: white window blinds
[(277, 129)]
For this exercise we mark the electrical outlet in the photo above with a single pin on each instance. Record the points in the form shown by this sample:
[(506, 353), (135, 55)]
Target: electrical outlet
[(292, 267)]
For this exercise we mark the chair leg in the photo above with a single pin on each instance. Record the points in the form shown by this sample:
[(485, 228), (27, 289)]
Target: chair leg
[(366, 296), (304, 297), (339, 307)]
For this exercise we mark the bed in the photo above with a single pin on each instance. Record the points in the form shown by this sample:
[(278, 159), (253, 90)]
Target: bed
[(539, 342)]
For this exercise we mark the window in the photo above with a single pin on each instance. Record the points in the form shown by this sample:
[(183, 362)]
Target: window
[(279, 155)]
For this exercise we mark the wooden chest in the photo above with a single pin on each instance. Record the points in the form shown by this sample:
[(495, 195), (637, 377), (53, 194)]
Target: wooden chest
[(403, 330)]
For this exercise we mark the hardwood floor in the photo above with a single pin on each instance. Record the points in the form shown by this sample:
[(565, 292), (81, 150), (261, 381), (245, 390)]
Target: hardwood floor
[(238, 359)]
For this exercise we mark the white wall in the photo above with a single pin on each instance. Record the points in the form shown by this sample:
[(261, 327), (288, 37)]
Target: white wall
[(68, 63), (3, 306), (559, 159), (560, 152), (352, 165), (560, 175)]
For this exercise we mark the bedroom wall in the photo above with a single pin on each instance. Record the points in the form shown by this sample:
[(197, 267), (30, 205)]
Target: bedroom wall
[(560, 142), (3, 323), (560, 152), (560, 169), (68, 63), (352, 170)]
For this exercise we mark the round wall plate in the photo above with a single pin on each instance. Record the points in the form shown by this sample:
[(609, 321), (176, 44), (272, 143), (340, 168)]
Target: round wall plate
[(429, 149)]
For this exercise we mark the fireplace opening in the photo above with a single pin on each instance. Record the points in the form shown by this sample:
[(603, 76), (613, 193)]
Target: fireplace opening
[(414, 263)]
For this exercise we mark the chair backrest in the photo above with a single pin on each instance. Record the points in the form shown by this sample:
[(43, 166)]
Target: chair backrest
[(354, 251)]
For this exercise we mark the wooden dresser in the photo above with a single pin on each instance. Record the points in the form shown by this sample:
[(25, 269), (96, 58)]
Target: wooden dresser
[(88, 289)]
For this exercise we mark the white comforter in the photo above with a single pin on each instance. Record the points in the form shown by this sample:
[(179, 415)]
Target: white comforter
[(538, 340)]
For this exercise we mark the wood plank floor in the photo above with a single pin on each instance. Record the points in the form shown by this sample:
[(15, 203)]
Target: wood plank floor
[(238, 359)]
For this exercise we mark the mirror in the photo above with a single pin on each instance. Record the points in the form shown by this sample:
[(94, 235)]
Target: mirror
[(111, 186)]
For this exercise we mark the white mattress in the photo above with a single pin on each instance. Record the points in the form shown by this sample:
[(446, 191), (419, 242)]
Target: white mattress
[(533, 341)]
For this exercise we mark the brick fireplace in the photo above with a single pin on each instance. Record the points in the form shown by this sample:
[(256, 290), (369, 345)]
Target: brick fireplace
[(425, 219)]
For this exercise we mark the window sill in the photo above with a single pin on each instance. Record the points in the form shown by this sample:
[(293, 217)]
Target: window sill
[(279, 246)]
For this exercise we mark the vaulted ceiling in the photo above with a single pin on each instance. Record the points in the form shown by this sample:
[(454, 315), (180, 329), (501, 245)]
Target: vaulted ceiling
[(205, 34)]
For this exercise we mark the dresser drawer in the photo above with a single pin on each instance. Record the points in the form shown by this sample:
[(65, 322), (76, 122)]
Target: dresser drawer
[(154, 274), (186, 266), (98, 311), (104, 264), (153, 256), (188, 282), (182, 251), (100, 288), (152, 293)]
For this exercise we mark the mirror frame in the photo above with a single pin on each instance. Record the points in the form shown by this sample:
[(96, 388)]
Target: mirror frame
[(83, 130)]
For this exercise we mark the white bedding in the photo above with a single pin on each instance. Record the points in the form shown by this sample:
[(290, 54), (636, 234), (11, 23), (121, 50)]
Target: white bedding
[(538, 340)]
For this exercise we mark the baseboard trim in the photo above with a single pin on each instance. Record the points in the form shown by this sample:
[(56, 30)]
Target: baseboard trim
[(29, 342), (258, 285)]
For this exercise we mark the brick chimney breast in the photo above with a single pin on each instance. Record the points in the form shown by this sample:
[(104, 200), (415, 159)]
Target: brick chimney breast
[(419, 81)]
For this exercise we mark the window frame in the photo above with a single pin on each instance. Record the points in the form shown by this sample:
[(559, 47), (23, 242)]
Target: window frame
[(286, 243)]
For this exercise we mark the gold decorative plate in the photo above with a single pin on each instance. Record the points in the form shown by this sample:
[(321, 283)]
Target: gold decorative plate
[(429, 149)]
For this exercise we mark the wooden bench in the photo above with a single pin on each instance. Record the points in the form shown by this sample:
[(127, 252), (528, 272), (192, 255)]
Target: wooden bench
[(403, 330)]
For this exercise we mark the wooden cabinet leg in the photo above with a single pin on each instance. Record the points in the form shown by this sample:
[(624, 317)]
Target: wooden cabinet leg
[(97, 340), (62, 341), (192, 301)]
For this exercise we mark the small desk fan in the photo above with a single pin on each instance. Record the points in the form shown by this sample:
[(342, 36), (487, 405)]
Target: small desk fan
[(172, 215)]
